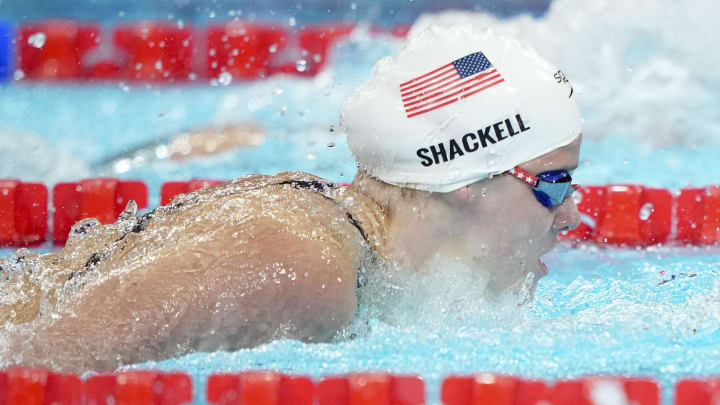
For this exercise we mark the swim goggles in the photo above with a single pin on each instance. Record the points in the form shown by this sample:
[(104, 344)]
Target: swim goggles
[(551, 188)]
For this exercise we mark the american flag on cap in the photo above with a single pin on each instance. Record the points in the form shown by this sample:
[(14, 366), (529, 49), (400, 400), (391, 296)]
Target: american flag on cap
[(447, 84)]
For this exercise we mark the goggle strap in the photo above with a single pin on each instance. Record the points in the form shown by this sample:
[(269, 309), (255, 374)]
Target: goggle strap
[(523, 175)]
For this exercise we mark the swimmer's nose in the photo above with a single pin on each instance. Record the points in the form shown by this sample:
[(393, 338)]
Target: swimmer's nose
[(567, 216)]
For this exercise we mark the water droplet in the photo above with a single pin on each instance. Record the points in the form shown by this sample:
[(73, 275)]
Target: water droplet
[(577, 198), (646, 211), (342, 174), (317, 57), (301, 65), (18, 74), (292, 21), (212, 14), (331, 145), (225, 78), (273, 48), (278, 91), (626, 161), (353, 6), (311, 156), (37, 39), (332, 129), (192, 76), (158, 65)]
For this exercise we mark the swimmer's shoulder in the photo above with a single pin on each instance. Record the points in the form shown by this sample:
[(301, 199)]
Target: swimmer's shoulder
[(297, 203)]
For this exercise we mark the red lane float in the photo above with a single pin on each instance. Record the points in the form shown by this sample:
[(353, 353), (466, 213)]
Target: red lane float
[(170, 189), (259, 388), (103, 199), (698, 216), (692, 391), (54, 50), (243, 49), (139, 388), (371, 389), (23, 212), (624, 215), (492, 389), (22, 386), (157, 51)]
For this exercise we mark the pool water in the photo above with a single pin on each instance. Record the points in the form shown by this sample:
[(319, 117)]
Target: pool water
[(650, 104)]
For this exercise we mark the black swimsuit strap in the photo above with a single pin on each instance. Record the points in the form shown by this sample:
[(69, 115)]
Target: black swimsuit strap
[(318, 187)]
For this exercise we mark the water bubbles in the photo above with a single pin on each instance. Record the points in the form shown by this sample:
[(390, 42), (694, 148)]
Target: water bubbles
[(292, 21), (278, 91), (331, 145), (273, 48), (311, 156), (212, 14), (192, 76), (37, 39), (317, 58), (301, 65), (646, 211), (225, 78), (18, 74), (353, 6), (158, 65), (332, 129)]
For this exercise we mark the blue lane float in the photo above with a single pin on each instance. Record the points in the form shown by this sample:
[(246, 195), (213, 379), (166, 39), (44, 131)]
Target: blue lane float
[(5, 50)]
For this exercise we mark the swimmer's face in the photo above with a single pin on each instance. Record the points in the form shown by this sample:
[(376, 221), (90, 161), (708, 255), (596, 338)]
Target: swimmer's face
[(503, 229)]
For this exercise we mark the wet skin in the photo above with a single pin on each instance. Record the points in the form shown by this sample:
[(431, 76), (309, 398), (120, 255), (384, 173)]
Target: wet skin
[(250, 261)]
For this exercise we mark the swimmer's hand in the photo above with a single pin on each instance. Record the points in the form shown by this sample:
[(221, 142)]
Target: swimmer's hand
[(202, 141), (210, 140)]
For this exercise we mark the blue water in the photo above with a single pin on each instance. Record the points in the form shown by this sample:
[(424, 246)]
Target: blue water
[(651, 108)]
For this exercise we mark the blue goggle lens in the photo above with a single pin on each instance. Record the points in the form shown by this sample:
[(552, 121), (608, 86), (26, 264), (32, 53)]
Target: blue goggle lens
[(553, 187)]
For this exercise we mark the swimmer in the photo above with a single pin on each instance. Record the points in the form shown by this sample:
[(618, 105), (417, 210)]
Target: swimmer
[(197, 142), (465, 144)]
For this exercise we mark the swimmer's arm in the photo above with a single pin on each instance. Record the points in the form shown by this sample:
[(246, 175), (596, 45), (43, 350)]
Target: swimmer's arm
[(302, 289)]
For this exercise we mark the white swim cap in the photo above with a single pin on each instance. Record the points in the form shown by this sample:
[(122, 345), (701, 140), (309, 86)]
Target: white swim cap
[(455, 106)]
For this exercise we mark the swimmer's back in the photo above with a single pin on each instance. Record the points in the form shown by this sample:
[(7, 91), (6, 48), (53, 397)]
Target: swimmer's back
[(226, 267)]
